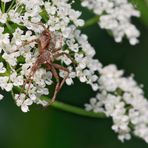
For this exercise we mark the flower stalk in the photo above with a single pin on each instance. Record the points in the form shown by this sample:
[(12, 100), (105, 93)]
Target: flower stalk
[(72, 109), (3, 7), (76, 110), (91, 22)]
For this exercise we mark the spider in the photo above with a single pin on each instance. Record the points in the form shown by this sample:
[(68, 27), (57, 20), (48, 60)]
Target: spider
[(48, 53)]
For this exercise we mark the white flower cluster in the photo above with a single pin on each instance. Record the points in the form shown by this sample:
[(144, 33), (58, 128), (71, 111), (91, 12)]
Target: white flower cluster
[(115, 16), (16, 63), (123, 100)]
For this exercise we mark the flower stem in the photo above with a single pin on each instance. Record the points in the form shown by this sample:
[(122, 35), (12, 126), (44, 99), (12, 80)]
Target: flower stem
[(9, 27), (11, 5), (91, 22), (76, 110), (3, 7), (73, 109)]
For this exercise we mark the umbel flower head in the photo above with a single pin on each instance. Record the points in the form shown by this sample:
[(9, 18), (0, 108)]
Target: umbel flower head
[(115, 16), (20, 25), (122, 99)]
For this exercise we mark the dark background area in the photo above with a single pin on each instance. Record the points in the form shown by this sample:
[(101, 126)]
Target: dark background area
[(52, 128)]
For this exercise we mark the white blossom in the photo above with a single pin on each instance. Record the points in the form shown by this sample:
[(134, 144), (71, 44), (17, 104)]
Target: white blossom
[(3, 17), (63, 22), (2, 68), (115, 16), (122, 99), (23, 103)]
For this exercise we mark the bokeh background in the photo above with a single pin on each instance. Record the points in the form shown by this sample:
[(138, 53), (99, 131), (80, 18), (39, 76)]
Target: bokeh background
[(52, 128)]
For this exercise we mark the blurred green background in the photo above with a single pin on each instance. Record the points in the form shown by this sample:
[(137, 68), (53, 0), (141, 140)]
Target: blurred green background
[(52, 128)]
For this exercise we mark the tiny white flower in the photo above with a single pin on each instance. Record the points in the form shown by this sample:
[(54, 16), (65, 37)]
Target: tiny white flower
[(115, 16), (2, 68), (10, 58), (24, 108), (122, 99), (25, 105), (3, 17)]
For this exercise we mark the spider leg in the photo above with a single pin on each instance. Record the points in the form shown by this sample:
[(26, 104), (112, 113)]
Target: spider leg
[(31, 74), (29, 84), (24, 84), (54, 72), (41, 24), (57, 66), (27, 43)]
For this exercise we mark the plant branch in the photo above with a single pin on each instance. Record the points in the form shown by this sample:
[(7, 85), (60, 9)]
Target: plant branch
[(9, 27), (76, 110), (11, 5), (91, 22), (3, 7), (72, 109)]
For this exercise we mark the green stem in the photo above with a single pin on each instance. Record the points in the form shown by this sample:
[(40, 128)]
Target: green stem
[(76, 110), (10, 7), (3, 7), (91, 22), (9, 27), (73, 109)]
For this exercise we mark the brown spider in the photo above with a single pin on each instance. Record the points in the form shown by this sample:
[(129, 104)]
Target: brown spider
[(48, 53)]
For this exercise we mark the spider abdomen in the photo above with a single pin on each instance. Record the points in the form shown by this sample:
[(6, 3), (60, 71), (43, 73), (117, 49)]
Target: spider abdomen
[(46, 57)]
